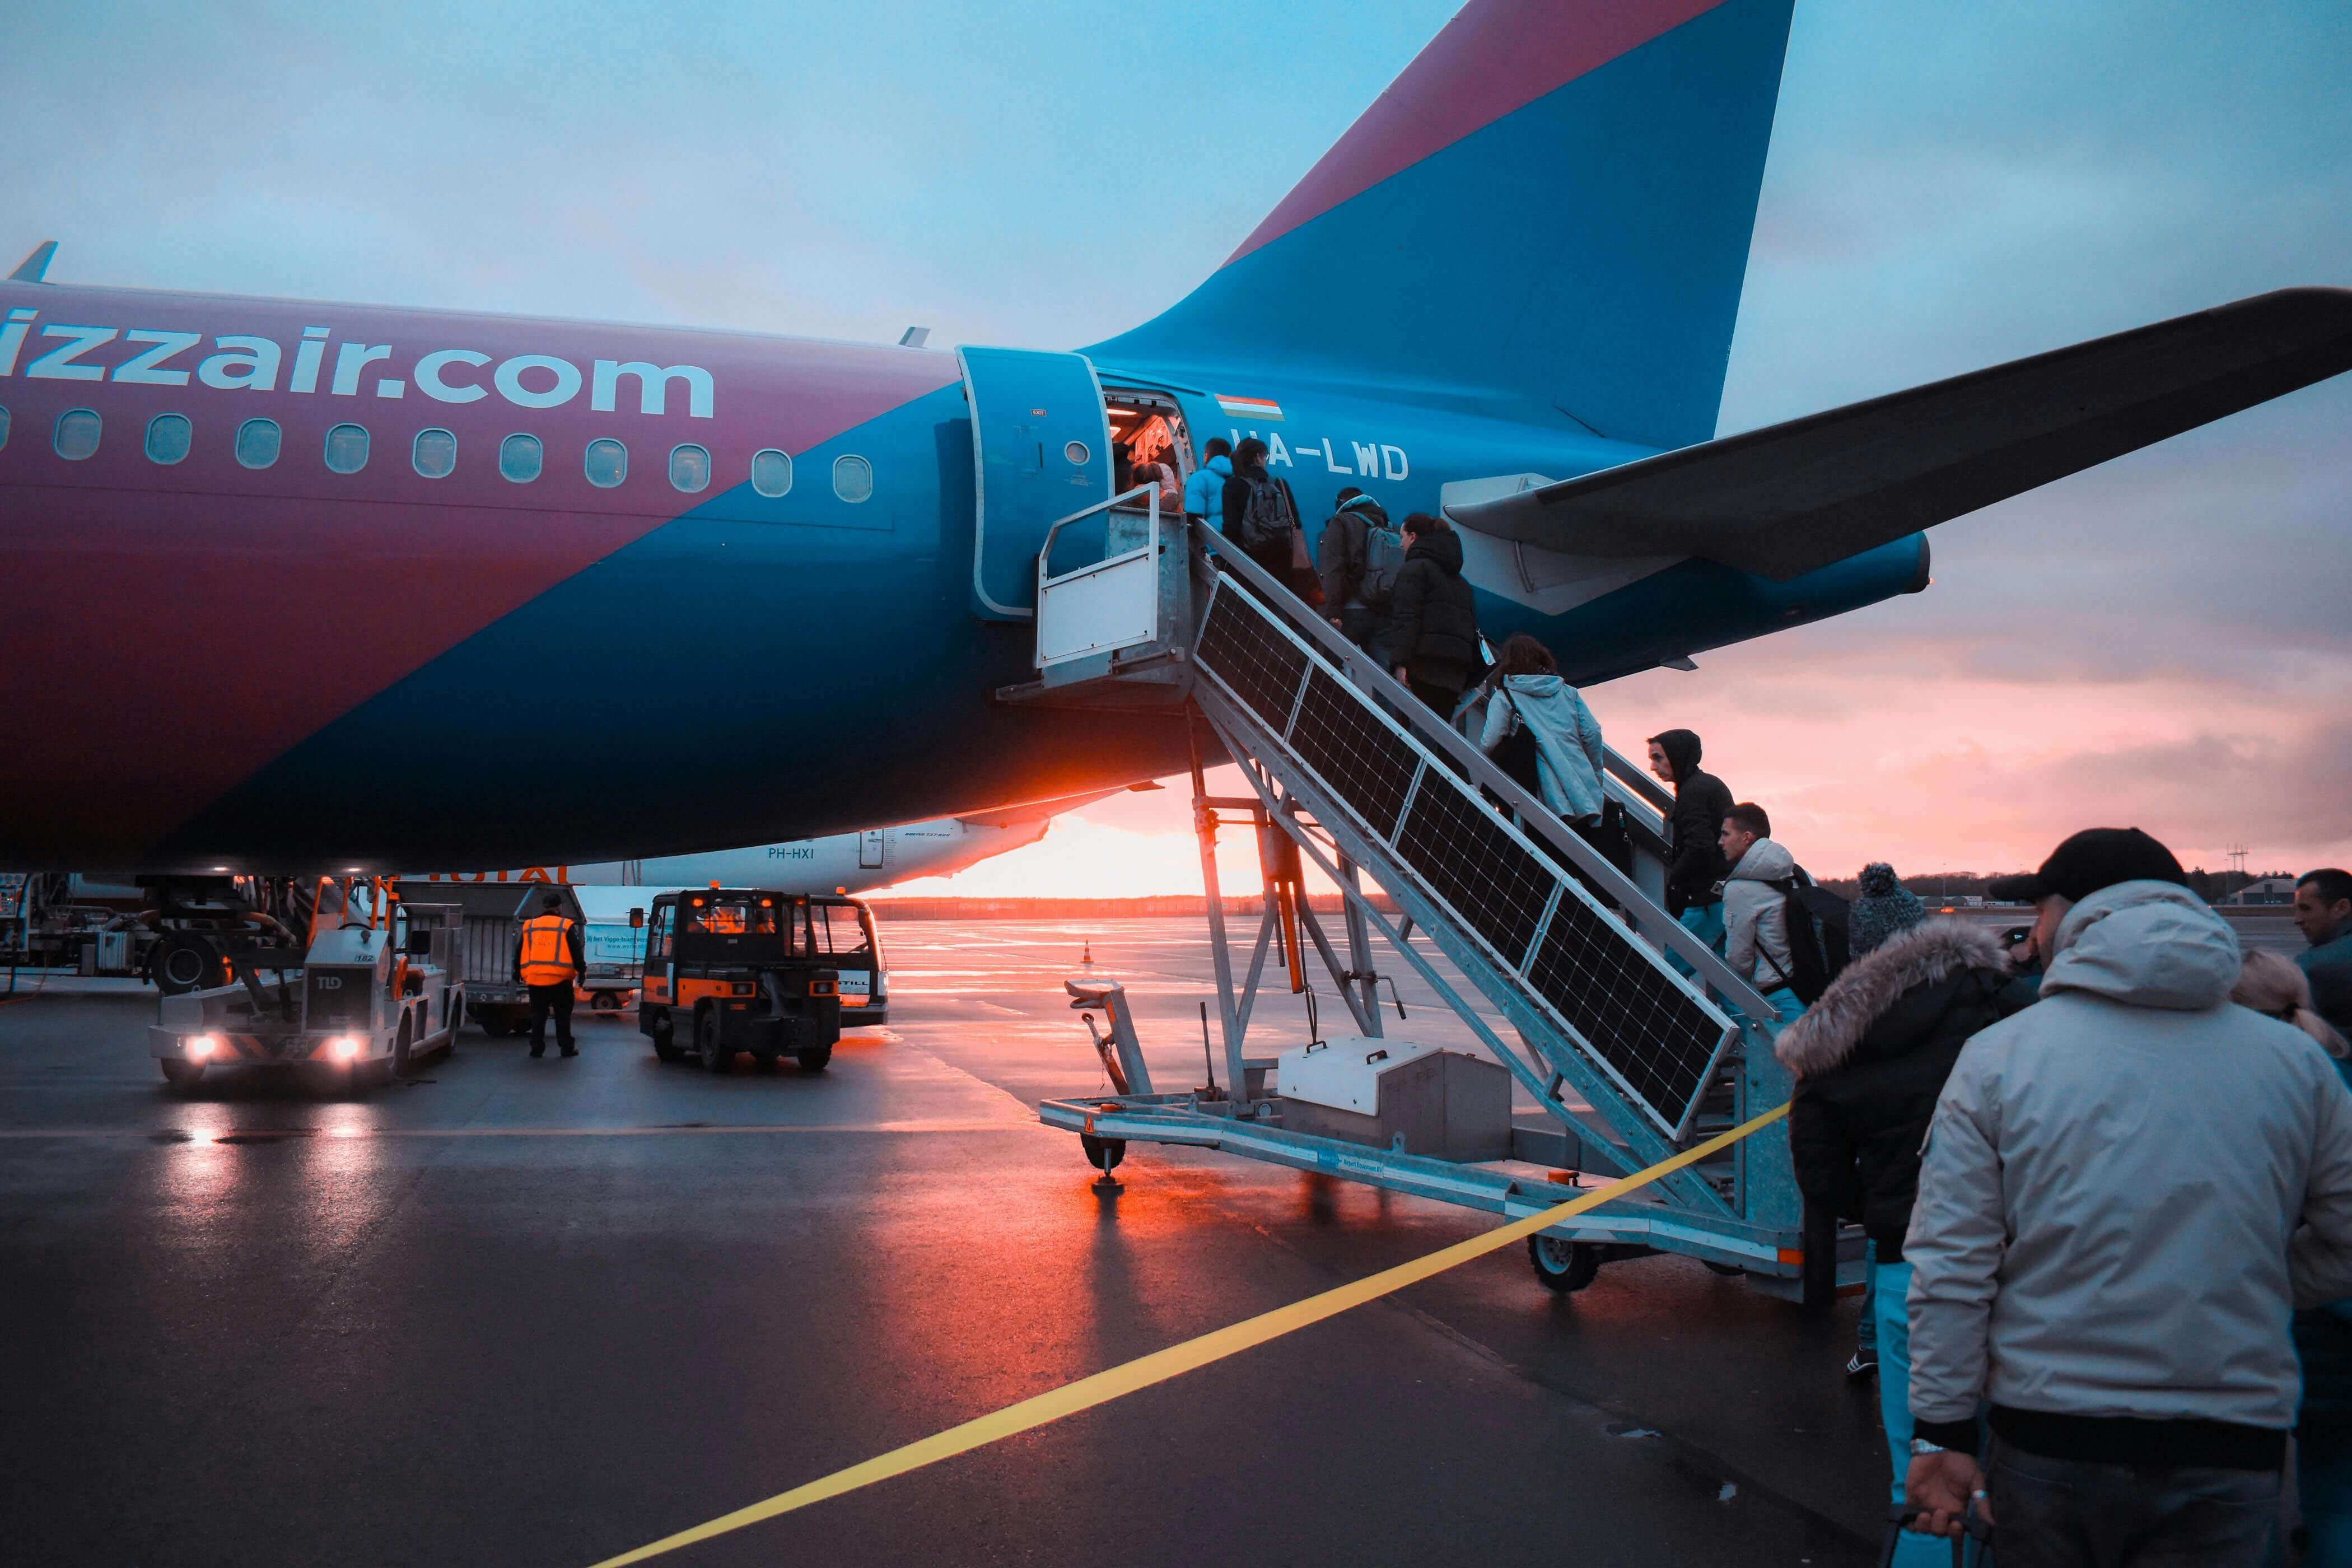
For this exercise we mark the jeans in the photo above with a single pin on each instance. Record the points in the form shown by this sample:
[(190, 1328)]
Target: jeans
[(1890, 1288), (2069, 1513), (1704, 921), (2323, 1478), (555, 999), (1785, 1001), (1865, 1326)]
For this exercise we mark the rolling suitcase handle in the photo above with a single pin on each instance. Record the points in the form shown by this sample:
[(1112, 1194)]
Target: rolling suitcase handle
[(1897, 1516), (1974, 1528)]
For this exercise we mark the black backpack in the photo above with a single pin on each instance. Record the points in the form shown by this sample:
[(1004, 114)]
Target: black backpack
[(1816, 920), (1516, 753), (1269, 517)]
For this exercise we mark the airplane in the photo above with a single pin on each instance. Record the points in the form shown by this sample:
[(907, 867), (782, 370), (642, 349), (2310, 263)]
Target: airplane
[(838, 863), (346, 551)]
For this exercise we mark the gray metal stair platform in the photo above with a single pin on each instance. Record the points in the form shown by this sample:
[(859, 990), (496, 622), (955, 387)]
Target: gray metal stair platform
[(1631, 1057)]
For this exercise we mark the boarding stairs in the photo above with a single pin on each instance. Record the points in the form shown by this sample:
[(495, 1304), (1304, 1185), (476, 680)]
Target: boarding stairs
[(1629, 1060)]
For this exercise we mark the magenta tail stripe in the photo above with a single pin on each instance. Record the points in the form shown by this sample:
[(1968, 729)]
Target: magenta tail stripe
[(1491, 59)]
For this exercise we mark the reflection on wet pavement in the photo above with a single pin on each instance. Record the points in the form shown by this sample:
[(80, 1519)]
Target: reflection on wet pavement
[(543, 1310)]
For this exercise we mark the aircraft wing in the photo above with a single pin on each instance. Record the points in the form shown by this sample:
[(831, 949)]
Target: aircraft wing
[(1793, 498), (1039, 810)]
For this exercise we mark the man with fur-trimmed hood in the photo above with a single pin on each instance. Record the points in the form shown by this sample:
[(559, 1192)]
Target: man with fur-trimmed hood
[(1870, 1059)]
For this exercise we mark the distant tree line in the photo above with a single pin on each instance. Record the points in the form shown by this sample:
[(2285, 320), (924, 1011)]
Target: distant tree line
[(961, 909), (2211, 886)]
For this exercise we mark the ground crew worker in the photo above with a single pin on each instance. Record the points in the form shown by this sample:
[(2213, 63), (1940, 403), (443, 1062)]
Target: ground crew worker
[(548, 959)]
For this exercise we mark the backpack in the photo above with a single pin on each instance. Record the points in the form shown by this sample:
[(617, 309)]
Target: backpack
[(1816, 922), (1269, 517), (1515, 753), (1383, 559)]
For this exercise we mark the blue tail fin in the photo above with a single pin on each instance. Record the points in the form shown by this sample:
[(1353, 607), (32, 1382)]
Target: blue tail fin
[(1548, 213)]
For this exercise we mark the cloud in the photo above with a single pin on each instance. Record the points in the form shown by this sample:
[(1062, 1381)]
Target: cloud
[(1947, 188), (1943, 767)]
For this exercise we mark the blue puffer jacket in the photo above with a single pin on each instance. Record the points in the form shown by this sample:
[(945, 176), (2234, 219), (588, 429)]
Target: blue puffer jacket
[(1204, 492)]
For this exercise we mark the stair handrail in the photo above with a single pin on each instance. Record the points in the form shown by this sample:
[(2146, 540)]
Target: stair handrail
[(1534, 818), (1045, 551), (1647, 828), (1637, 779)]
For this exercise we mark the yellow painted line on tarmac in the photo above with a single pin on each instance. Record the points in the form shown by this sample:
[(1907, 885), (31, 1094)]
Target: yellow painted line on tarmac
[(1176, 1360)]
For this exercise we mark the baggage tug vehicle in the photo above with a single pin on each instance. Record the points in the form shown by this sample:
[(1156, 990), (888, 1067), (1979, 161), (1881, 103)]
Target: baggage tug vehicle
[(739, 969), (367, 996)]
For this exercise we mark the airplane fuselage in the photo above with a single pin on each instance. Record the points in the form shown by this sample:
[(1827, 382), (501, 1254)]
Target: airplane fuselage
[(298, 585), (837, 863)]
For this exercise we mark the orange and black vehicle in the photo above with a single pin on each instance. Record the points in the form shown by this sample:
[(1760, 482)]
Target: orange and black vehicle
[(732, 970)]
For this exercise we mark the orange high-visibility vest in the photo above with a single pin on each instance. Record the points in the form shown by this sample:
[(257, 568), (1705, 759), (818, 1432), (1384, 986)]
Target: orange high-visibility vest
[(546, 951)]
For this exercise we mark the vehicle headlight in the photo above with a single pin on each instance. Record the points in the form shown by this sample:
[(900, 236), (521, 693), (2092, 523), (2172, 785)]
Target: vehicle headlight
[(199, 1046), (346, 1047)]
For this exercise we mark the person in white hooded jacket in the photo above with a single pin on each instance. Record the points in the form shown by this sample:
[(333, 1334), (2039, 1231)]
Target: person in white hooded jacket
[(2126, 1188), (1756, 913)]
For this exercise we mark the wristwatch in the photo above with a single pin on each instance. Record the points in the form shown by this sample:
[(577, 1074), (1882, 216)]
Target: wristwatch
[(1921, 1446)]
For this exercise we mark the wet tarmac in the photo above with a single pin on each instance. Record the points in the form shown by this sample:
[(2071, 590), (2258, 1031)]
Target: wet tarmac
[(543, 1311)]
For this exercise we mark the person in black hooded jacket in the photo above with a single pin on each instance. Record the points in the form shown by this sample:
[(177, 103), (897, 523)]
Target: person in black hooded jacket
[(1434, 619), (1695, 865), (1870, 1059)]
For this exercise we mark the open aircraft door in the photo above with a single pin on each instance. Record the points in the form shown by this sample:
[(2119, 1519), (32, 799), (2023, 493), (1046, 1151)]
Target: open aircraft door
[(1041, 449)]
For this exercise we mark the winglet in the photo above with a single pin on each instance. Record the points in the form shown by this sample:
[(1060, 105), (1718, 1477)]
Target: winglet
[(29, 270)]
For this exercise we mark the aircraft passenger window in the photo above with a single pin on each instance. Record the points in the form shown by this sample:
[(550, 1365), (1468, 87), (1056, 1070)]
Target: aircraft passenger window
[(167, 438), (852, 479), (520, 458), (76, 435), (771, 472), (3, 427), (689, 468), (257, 442), (607, 464), (434, 454), (347, 449)]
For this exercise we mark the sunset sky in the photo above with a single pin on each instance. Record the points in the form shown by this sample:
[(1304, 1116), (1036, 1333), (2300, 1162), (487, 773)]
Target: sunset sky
[(2162, 641)]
